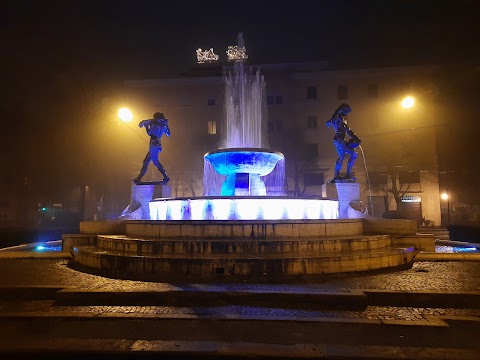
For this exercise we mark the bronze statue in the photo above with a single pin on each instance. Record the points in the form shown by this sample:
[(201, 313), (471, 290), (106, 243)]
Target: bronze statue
[(155, 128), (343, 147)]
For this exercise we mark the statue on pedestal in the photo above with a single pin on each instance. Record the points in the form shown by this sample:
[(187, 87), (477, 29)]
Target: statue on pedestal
[(155, 128), (343, 146)]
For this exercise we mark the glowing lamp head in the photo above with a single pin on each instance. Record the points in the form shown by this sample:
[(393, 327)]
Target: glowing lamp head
[(408, 102), (444, 196), (125, 115)]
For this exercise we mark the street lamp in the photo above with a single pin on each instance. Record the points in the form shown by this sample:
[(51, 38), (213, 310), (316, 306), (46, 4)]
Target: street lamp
[(408, 102), (446, 196), (125, 115)]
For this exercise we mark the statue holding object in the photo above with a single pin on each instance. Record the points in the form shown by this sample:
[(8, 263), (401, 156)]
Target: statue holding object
[(155, 128), (339, 124)]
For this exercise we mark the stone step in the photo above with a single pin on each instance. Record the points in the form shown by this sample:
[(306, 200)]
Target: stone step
[(204, 265), (438, 233), (254, 229), (154, 246)]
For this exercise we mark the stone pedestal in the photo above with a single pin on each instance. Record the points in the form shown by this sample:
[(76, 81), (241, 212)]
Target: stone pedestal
[(344, 193), (142, 194)]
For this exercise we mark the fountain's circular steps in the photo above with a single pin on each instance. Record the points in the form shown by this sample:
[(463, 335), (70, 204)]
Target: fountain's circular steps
[(172, 250), (240, 247)]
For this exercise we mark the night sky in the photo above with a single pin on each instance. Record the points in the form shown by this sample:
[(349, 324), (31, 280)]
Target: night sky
[(56, 54)]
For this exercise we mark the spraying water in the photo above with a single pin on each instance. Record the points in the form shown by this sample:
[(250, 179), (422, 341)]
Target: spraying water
[(368, 181), (243, 155), (245, 114)]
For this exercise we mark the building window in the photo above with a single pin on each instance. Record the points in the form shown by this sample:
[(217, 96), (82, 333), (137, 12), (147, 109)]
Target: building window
[(275, 127), (377, 178), (311, 93), (312, 122), (374, 120), (278, 126), (274, 100), (311, 151), (185, 100), (373, 90), (342, 92), (409, 177), (271, 127), (312, 179), (212, 127), (211, 102)]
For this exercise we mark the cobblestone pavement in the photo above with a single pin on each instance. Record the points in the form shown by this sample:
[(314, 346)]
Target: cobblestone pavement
[(433, 276)]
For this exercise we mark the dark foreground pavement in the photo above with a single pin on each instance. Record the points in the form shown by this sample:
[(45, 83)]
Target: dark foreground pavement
[(431, 311)]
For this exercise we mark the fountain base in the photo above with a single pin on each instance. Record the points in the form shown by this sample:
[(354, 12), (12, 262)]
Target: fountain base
[(243, 208)]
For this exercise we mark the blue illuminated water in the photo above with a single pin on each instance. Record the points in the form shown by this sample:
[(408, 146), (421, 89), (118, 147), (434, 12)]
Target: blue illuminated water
[(48, 246), (455, 249)]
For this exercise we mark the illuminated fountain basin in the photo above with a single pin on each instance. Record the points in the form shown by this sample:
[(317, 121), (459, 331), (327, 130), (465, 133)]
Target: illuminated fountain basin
[(243, 208), (243, 168)]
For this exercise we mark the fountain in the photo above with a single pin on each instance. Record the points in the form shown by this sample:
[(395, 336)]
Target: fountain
[(238, 227), (243, 158), (234, 186)]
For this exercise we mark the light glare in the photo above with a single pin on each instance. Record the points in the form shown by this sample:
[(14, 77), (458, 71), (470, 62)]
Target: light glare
[(408, 102), (125, 115)]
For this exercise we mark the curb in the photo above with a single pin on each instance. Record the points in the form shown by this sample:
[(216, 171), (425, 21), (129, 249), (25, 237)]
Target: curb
[(430, 322), (36, 292), (431, 256), (35, 255), (351, 300), (433, 299), (355, 299), (112, 348)]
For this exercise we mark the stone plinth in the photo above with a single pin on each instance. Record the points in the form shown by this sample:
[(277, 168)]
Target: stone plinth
[(345, 193), (142, 194)]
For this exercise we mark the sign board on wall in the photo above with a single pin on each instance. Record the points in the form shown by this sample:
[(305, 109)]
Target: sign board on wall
[(411, 199)]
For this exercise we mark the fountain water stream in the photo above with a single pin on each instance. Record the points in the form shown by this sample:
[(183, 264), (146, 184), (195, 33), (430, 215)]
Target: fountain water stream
[(235, 174)]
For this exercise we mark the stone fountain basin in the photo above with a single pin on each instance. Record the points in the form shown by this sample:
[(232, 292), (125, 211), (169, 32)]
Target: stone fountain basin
[(244, 160)]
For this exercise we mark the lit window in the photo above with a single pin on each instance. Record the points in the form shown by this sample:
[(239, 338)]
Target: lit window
[(212, 127), (312, 122)]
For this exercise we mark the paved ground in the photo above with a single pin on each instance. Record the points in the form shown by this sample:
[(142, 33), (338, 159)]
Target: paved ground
[(262, 326)]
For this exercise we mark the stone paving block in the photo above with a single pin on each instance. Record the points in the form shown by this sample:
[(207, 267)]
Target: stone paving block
[(271, 350), (203, 347), (441, 353), (364, 351)]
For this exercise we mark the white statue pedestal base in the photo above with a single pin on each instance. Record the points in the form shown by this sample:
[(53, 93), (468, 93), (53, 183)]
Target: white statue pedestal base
[(345, 193), (142, 194)]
